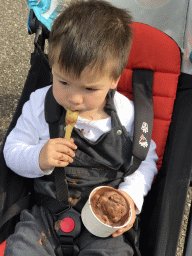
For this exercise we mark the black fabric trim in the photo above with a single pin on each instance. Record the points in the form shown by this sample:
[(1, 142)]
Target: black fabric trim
[(185, 82), (53, 110)]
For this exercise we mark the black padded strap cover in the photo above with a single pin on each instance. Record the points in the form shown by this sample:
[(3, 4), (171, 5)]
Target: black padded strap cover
[(142, 82)]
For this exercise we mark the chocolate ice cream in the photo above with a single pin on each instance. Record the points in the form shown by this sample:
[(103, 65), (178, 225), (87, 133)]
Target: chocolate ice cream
[(110, 206)]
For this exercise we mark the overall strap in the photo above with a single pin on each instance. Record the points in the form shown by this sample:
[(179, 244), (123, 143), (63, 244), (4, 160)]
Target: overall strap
[(110, 109), (142, 82)]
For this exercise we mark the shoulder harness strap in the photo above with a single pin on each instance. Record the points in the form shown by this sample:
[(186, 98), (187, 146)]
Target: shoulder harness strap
[(142, 82), (53, 113), (58, 206)]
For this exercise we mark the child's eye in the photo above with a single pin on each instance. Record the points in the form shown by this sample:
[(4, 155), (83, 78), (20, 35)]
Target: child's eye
[(64, 83), (91, 89)]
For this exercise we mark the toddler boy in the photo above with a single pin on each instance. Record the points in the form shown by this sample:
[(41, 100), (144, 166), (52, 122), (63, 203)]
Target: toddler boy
[(89, 46)]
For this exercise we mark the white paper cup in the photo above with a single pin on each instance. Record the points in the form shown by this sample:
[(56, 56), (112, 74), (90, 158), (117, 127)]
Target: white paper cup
[(93, 224)]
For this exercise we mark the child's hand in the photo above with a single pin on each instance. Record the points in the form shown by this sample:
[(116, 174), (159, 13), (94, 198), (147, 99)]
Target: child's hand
[(57, 152), (130, 225)]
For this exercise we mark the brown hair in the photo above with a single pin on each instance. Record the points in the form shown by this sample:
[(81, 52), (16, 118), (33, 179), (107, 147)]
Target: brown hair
[(87, 34)]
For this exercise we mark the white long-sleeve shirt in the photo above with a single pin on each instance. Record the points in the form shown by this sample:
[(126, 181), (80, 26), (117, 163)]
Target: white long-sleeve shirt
[(25, 141)]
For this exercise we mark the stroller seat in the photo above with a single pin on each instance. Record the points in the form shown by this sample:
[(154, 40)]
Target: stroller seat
[(151, 50)]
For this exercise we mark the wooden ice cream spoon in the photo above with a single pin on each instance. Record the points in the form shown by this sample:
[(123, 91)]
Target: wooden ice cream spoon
[(70, 121)]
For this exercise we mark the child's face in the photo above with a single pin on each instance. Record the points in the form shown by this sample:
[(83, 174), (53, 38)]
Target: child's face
[(86, 95)]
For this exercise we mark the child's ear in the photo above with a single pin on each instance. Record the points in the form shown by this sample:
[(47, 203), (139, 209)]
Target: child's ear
[(115, 83)]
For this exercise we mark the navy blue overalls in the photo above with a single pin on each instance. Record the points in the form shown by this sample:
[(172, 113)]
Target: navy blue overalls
[(104, 162)]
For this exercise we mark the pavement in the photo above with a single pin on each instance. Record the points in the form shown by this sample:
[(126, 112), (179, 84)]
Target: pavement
[(16, 46)]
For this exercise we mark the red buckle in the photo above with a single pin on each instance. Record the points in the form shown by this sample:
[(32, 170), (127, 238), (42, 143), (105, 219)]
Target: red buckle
[(67, 225)]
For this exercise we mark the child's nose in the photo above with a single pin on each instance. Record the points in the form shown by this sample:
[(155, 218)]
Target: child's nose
[(76, 99)]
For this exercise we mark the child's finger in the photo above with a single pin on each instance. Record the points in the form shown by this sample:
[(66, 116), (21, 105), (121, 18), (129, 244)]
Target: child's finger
[(70, 143), (63, 162), (117, 233), (72, 140), (65, 158), (64, 150), (122, 230)]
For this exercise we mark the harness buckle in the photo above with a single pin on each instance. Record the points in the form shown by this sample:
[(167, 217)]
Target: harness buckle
[(67, 247), (68, 227)]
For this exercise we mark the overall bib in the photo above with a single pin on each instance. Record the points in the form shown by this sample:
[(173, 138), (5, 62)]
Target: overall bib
[(103, 162)]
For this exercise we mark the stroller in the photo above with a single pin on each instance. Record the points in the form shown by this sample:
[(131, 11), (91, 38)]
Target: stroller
[(163, 209)]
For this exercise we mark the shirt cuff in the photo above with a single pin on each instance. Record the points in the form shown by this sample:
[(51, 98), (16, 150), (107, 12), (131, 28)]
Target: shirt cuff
[(37, 172), (37, 167), (49, 171)]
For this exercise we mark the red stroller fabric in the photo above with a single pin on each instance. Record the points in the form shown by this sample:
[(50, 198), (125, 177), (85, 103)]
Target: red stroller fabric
[(154, 50), (2, 248)]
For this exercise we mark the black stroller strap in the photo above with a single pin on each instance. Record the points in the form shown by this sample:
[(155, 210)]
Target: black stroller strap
[(61, 185), (142, 82), (60, 204), (16, 208), (53, 114), (67, 247), (54, 205), (59, 172)]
